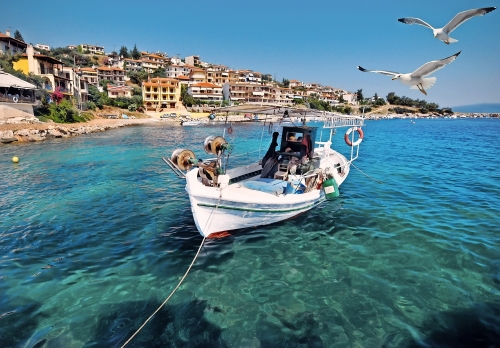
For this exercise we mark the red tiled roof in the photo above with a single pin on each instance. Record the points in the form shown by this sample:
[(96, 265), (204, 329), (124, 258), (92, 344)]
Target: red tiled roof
[(182, 77), (206, 84), (119, 88), (3, 37), (109, 68)]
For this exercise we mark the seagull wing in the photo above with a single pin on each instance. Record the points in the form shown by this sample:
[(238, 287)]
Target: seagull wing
[(390, 73), (430, 67), (410, 20), (464, 16)]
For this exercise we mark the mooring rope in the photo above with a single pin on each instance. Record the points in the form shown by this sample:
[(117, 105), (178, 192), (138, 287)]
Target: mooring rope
[(169, 296), (380, 182), (209, 222)]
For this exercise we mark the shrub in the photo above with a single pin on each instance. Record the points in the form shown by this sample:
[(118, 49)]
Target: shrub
[(90, 105), (64, 112), (132, 107)]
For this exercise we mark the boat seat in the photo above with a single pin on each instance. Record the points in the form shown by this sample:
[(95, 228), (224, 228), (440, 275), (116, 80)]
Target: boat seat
[(282, 172)]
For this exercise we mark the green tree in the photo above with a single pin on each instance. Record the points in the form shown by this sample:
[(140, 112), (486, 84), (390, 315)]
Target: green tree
[(135, 53), (137, 77), (18, 36), (186, 98), (360, 97), (161, 72), (285, 83), (124, 52)]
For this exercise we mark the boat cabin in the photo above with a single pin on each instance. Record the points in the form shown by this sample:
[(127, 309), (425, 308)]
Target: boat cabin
[(298, 140), (295, 154)]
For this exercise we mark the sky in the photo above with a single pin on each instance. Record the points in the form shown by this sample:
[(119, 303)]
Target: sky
[(320, 41)]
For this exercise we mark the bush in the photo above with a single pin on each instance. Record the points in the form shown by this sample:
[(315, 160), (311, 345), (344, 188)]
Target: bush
[(64, 112), (90, 105), (132, 107)]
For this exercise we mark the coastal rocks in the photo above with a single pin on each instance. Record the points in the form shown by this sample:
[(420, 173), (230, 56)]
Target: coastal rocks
[(54, 131)]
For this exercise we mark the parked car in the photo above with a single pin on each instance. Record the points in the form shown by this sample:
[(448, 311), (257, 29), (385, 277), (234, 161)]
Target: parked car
[(165, 116), (173, 114)]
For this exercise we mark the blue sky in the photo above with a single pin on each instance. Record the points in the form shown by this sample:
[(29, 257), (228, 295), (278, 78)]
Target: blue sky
[(311, 41)]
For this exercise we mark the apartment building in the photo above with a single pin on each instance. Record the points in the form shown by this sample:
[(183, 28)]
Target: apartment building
[(89, 75), (192, 60), (50, 69), (92, 49), (10, 45), (174, 70), (197, 75), (78, 86), (153, 62), (113, 74), (206, 91), (218, 74), (119, 92), (251, 93), (161, 94), (129, 64)]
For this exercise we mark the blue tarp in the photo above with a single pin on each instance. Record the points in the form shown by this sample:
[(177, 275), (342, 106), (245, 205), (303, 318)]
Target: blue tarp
[(272, 186)]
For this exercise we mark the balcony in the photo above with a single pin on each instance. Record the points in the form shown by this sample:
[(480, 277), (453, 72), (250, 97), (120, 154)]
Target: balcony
[(20, 99)]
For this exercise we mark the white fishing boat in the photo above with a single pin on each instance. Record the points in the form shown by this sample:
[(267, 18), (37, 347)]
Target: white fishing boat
[(297, 172), (192, 123)]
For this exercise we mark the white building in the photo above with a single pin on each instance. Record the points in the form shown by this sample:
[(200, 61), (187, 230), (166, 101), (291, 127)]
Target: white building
[(174, 70), (205, 91), (119, 91), (43, 47), (78, 85), (92, 49)]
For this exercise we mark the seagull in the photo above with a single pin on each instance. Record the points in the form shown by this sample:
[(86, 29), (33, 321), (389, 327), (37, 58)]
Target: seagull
[(444, 32), (417, 78)]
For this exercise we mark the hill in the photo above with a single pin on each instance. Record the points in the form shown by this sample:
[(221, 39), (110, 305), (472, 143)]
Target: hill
[(478, 108)]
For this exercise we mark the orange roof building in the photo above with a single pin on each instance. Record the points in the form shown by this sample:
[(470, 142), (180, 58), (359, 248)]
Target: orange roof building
[(161, 94)]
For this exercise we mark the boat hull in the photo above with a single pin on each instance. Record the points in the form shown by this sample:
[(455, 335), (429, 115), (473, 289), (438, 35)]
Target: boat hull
[(214, 216)]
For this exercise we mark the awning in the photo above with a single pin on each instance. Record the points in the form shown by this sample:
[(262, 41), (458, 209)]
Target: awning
[(8, 80)]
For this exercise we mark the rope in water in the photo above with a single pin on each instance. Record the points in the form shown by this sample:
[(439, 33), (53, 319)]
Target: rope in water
[(169, 296), (378, 181), (209, 222)]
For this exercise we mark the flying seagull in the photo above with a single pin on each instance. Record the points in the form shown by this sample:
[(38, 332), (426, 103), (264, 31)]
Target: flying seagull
[(444, 32), (417, 78)]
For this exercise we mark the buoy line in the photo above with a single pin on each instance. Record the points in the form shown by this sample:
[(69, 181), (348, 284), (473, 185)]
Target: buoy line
[(169, 296)]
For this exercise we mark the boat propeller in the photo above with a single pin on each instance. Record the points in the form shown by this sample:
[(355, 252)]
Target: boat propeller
[(183, 158), (214, 145)]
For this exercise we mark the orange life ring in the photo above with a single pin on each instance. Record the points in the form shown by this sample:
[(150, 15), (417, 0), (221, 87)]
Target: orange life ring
[(349, 131), (230, 130)]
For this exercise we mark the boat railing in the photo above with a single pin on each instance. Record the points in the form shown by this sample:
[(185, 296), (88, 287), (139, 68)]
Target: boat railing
[(337, 121)]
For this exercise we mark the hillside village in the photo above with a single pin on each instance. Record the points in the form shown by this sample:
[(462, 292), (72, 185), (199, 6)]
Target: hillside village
[(157, 82)]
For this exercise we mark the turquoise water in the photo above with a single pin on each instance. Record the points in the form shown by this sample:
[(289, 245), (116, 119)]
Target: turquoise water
[(95, 232)]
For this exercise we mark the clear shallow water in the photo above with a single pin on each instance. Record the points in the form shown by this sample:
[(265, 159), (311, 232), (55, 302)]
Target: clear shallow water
[(95, 232)]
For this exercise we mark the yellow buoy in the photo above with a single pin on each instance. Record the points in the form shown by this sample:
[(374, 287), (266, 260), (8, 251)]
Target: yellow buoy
[(15, 159)]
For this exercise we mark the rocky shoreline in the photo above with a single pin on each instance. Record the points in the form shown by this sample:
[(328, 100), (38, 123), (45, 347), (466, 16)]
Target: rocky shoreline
[(39, 131)]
